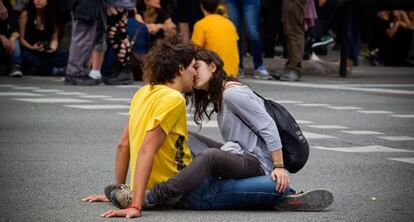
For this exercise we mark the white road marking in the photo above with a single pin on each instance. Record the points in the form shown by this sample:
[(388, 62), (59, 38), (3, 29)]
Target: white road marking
[(375, 112), (362, 132), (25, 87), (286, 101), (343, 107), (53, 100), (405, 160), (70, 93), (47, 90), (309, 135), (6, 85), (328, 127), (123, 114), (209, 124), (304, 122), (363, 149), (313, 104), (100, 107), (94, 96), (117, 99), (130, 86), (335, 87), (19, 94), (397, 138), (403, 116)]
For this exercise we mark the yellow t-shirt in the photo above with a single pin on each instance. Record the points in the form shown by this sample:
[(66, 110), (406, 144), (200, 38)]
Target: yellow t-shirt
[(163, 106), (218, 33)]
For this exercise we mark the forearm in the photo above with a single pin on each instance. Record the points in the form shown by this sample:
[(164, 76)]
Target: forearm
[(122, 156), (14, 36), (143, 169), (277, 157)]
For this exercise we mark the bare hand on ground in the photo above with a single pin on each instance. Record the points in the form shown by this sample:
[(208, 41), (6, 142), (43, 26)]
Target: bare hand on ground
[(128, 213), (96, 198)]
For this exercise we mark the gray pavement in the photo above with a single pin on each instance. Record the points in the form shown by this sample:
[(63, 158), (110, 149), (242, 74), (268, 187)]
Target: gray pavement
[(57, 145)]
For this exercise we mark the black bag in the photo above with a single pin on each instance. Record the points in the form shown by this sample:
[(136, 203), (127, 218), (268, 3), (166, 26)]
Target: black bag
[(295, 147)]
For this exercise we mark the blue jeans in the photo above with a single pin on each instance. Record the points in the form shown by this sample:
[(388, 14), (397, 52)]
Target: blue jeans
[(217, 194), (15, 58), (249, 11), (44, 63)]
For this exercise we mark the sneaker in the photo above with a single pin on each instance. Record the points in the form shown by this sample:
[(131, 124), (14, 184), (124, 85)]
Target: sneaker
[(125, 77), (289, 76), (315, 200), (58, 71), (262, 73), (108, 189), (121, 197), (323, 41), (241, 73), (16, 71), (81, 81)]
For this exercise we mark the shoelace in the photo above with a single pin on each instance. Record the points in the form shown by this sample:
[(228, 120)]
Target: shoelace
[(128, 191)]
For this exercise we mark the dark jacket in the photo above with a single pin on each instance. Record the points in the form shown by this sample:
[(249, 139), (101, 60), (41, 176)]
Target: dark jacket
[(87, 10)]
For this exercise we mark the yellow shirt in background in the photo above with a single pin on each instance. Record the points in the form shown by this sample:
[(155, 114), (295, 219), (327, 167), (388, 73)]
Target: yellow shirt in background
[(163, 106), (218, 34)]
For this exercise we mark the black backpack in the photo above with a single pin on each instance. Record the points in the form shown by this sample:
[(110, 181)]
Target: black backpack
[(295, 147)]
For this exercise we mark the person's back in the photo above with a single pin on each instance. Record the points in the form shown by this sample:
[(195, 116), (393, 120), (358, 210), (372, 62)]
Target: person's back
[(159, 105), (218, 34)]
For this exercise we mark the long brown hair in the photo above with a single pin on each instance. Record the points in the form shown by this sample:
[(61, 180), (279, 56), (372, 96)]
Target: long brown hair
[(201, 99)]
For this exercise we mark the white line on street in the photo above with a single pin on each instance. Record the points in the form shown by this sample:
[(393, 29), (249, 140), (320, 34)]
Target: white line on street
[(130, 86), (405, 160), (47, 90), (362, 132), (309, 135), (98, 106), (403, 116), (343, 107), (313, 104), (363, 149), (304, 122), (328, 127), (53, 100), (94, 96), (375, 112), (123, 114), (209, 124), (70, 93), (19, 94), (397, 138), (6, 85), (25, 87), (117, 99), (286, 101)]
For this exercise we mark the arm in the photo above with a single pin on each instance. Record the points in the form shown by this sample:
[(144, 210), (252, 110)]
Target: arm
[(150, 146), (122, 157), (22, 26), (3, 11), (184, 30), (169, 25), (54, 42)]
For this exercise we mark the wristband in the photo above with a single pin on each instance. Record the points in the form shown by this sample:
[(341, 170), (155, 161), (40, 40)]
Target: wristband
[(275, 166), (136, 207)]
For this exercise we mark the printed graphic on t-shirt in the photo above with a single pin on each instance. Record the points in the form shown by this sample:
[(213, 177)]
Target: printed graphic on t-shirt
[(180, 152)]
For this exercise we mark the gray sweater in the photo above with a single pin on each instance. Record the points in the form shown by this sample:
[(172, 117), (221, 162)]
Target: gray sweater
[(241, 139)]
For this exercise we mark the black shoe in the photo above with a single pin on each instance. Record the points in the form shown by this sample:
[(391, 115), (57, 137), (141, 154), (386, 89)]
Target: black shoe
[(81, 81), (315, 200), (289, 76), (123, 78)]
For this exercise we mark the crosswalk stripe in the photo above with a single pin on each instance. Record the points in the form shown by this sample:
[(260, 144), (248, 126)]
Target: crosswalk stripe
[(25, 87), (361, 132), (310, 135), (328, 127), (123, 114), (95, 107), (363, 149), (403, 116), (313, 104), (209, 124), (19, 94), (53, 100), (6, 85), (405, 160), (94, 96), (344, 107), (304, 122), (397, 138), (47, 90), (117, 99), (375, 112), (70, 93), (286, 101), (129, 86)]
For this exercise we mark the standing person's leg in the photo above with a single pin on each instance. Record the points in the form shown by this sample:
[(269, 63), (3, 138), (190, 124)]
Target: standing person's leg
[(235, 15), (80, 50), (292, 19)]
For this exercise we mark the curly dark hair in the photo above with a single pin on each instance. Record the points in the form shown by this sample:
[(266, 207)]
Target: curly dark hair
[(165, 59), (201, 99)]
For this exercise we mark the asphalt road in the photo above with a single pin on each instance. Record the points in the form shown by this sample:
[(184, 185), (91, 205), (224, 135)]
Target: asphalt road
[(57, 145)]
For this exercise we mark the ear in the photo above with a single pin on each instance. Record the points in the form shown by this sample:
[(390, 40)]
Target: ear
[(212, 66), (180, 71)]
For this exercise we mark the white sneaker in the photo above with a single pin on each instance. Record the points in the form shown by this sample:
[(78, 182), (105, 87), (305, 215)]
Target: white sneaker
[(95, 74), (262, 73)]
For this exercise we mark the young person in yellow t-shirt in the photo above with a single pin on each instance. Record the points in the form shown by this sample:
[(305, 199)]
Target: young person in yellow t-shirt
[(218, 34)]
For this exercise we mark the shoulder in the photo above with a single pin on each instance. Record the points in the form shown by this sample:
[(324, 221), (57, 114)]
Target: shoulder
[(237, 93)]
